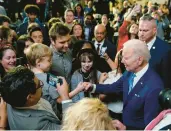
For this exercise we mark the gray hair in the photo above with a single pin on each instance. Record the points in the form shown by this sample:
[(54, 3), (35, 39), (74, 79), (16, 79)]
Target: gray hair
[(139, 47), (148, 17)]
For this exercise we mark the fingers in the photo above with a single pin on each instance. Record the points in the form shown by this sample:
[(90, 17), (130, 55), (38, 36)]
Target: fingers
[(117, 124), (86, 85), (105, 74)]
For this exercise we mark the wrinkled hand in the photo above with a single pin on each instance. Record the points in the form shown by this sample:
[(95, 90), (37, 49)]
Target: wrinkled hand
[(63, 89), (103, 77), (118, 125)]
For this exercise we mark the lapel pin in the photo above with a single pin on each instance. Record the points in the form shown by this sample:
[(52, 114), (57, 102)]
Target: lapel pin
[(137, 95), (153, 47)]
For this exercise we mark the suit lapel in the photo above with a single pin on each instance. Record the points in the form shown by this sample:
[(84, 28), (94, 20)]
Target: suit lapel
[(153, 52), (137, 89)]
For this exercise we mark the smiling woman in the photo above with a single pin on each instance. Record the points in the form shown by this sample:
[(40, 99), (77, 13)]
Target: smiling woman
[(7, 59), (86, 73)]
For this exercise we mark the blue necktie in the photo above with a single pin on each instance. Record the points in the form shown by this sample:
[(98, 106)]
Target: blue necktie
[(131, 81)]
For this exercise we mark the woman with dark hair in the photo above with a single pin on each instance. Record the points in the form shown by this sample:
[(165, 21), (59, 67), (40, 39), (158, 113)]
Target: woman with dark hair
[(85, 57), (78, 31), (81, 44), (162, 121), (79, 13), (23, 42), (87, 72), (129, 28), (110, 31), (5, 35)]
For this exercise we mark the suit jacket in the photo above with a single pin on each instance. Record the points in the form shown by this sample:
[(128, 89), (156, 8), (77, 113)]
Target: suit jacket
[(32, 119), (101, 63), (141, 104), (160, 59)]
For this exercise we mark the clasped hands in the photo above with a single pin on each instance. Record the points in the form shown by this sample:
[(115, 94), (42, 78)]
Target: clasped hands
[(85, 86)]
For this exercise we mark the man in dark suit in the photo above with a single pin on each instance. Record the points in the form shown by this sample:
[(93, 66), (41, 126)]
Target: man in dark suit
[(102, 46), (158, 48), (140, 86), (26, 109)]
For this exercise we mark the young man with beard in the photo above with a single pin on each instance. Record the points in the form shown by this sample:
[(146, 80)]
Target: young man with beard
[(62, 56)]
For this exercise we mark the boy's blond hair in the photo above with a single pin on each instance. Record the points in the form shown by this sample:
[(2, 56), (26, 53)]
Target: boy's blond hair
[(36, 52)]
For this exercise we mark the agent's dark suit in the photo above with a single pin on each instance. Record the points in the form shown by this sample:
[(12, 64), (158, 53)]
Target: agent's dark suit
[(141, 105), (101, 63), (159, 60)]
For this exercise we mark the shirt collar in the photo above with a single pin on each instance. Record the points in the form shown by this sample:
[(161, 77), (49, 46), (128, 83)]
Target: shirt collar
[(56, 52), (101, 43), (142, 71), (151, 43)]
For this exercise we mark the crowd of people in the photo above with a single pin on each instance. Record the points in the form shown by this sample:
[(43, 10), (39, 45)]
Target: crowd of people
[(84, 68)]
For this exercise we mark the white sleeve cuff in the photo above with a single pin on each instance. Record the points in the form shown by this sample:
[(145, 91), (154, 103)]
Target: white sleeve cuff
[(66, 101), (94, 88)]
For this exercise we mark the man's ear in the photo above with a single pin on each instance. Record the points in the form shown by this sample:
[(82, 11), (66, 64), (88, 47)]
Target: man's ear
[(29, 97), (52, 42), (154, 31), (140, 60)]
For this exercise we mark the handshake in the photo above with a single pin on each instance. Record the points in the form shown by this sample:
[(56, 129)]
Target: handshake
[(85, 86)]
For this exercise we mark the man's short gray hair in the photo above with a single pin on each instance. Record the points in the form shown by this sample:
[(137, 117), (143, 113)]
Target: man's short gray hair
[(147, 17), (139, 47)]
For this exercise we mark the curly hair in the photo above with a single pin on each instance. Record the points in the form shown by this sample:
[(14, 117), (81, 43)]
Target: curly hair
[(17, 85), (87, 114)]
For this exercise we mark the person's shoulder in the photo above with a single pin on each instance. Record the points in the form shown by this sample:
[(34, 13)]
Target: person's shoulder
[(76, 73), (161, 45), (108, 43), (153, 78), (161, 42), (41, 75)]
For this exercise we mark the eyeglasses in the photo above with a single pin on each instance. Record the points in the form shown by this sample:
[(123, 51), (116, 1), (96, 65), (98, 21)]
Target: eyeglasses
[(100, 33), (40, 85)]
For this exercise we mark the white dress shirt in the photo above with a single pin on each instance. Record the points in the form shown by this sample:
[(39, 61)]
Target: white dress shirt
[(140, 74), (151, 43), (101, 44)]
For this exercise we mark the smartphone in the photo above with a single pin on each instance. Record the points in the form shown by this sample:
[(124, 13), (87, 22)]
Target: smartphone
[(53, 80), (103, 51)]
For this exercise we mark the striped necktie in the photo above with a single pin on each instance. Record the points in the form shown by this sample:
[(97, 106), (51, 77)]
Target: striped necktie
[(131, 81)]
